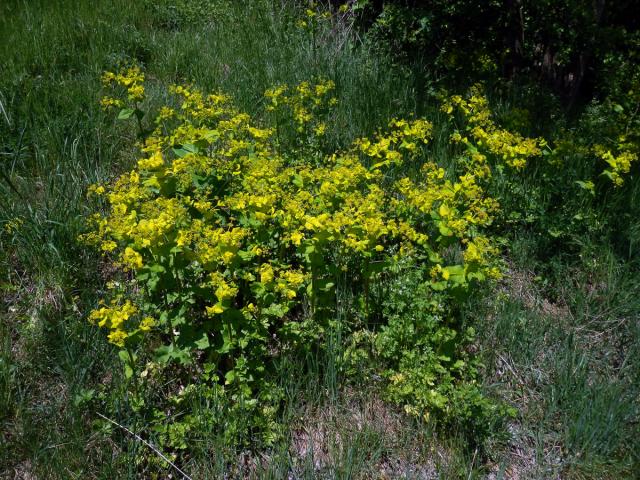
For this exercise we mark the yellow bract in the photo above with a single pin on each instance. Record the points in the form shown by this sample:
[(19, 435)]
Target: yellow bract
[(619, 165), (131, 79), (131, 259), (114, 318), (241, 221), (510, 147), (303, 101)]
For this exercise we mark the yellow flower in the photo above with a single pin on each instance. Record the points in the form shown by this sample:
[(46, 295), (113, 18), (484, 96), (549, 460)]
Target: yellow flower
[(214, 310), (152, 163), (108, 246), (131, 259), (147, 324), (96, 189), (290, 294), (266, 273), (118, 337), (136, 93), (296, 238), (114, 318), (108, 102), (225, 292)]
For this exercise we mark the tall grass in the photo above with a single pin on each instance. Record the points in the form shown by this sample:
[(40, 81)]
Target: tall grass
[(568, 365)]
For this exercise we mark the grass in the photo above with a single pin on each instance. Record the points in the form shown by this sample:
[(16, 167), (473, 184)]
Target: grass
[(560, 348), (569, 367)]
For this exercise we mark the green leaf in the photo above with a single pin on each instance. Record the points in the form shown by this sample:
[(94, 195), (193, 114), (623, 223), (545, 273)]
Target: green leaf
[(126, 113), (297, 181), (439, 286), (128, 361), (276, 310), (229, 377), (186, 149), (444, 230), (165, 353), (587, 185), (212, 135), (83, 396), (457, 365), (203, 342), (246, 255), (375, 166)]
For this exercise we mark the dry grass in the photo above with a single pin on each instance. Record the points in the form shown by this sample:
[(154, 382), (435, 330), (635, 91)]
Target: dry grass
[(389, 445)]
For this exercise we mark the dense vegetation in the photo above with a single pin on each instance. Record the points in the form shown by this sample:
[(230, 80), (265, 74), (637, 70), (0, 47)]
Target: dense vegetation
[(301, 240)]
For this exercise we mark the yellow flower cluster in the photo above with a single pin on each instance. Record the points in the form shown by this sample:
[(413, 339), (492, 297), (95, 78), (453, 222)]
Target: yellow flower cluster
[(510, 147), (311, 16), (114, 318), (131, 79), (619, 165), (109, 102), (13, 225), (244, 224), (403, 139), (304, 102)]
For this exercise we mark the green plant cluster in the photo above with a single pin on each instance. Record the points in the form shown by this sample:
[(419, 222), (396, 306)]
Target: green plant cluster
[(425, 352), (235, 234), (234, 240), (567, 190)]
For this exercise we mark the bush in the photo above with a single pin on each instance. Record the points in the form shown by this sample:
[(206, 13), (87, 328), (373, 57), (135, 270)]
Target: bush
[(231, 235), (565, 191)]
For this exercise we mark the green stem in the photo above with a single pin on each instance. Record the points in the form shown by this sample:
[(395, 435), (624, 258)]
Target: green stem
[(366, 287), (139, 122)]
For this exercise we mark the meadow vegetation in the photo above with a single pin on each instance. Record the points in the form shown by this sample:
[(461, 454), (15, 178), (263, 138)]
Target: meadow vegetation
[(267, 240)]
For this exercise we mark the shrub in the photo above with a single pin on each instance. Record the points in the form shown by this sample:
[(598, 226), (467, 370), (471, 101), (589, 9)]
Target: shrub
[(232, 237), (561, 191), (574, 47)]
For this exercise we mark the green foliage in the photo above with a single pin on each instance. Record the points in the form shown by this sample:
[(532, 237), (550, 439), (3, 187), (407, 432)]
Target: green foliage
[(424, 352), (179, 14), (570, 45), (565, 189), (235, 238)]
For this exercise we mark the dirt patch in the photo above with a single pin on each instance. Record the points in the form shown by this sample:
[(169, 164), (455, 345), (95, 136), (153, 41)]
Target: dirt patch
[(521, 285), (367, 436), (22, 471)]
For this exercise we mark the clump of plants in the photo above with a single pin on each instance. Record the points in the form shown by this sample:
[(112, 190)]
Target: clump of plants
[(560, 191), (230, 233)]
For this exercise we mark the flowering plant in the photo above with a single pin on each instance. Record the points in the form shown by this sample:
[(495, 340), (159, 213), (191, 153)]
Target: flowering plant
[(232, 240)]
